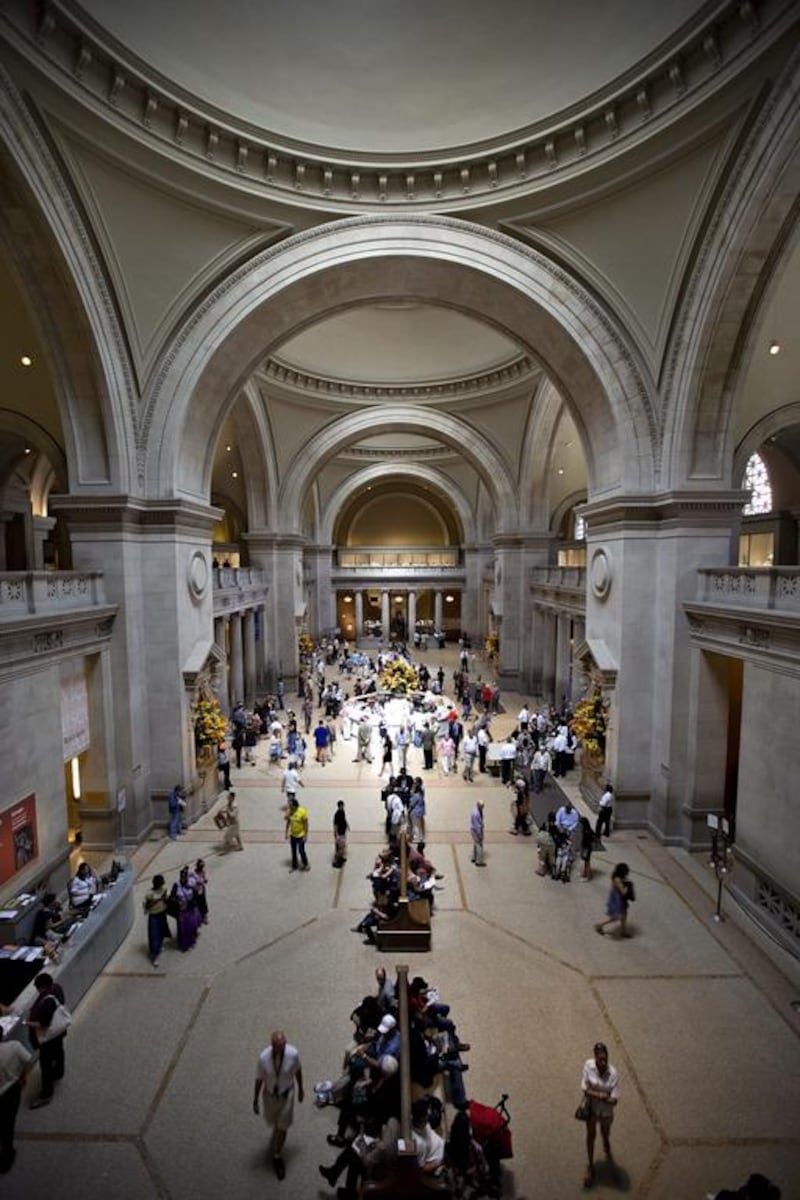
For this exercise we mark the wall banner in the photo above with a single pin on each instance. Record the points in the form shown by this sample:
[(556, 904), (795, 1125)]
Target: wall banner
[(74, 715), (19, 839)]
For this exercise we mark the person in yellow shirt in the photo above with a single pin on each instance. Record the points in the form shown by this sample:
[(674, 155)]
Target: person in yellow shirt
[(297, 832)]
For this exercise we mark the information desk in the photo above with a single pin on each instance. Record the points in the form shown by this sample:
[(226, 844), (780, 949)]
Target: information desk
[(81, 958)]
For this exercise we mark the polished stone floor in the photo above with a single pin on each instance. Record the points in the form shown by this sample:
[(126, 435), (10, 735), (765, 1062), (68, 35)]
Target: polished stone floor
[(698, 1017)]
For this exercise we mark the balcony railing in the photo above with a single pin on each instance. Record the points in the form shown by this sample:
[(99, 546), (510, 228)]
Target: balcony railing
[(41, 593), (560, 577), (405, 558), (238, 577), (776, 588)]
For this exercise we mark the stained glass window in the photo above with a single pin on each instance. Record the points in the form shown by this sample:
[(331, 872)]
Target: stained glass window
[(756, 479)]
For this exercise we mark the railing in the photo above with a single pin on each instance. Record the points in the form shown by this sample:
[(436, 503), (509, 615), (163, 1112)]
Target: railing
[(238, 577), (776, 588), (32, 593), (406, 558), (562, 577)]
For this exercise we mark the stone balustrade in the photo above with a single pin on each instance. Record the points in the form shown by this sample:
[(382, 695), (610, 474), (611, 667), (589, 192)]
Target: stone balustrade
[(765, 588), (562, 577), (45, 593), (238, 577)]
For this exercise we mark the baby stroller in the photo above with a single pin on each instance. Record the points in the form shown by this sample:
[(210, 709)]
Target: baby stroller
[(565, 857), (490, 1127)]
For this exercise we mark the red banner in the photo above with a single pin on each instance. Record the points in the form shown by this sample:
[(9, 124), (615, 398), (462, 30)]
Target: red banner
[(19, 841)]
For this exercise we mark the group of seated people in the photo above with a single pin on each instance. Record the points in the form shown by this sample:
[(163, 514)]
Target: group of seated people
[(367, 1094), (385, 879)]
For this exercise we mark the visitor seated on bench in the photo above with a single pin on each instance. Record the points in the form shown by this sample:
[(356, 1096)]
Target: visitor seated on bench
[(82, 888)]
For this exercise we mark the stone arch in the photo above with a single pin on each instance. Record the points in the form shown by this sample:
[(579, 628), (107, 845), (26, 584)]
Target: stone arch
[(38, 436), (434, 260), (378, 472), (454, 432), (537, 452), (54, 258), (754, 219), (759, 433), (258, 456)]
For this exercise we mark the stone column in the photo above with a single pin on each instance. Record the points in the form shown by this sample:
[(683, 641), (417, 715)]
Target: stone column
[(359, 609), (537, 635), (322, 600), (41, 527), (237, 658), (411, 617), (437, 611), (549, 656), (156, 560), (261, 647), (385, 615), (280, 556), (562, 657), (249, 630), (578, 637), (642, 556)]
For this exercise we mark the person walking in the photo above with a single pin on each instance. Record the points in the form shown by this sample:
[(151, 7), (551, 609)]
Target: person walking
[(15, 1063), (224, 765), (321, 740), (176, 804), (605, 809), (297, 832), (470, 751), (155, 907), (426, 741), (278, 1072), (340, 828), (363, 741), (476, 828), (50, 998), (619, 897), (232, 831), (600, 1085), (291, 781)]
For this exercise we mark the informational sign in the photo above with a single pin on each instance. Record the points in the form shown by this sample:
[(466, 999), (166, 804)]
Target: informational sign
[(19, 840), (122, 799), (74, 715)]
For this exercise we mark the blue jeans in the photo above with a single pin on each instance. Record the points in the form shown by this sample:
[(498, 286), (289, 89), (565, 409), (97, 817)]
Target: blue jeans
[(175, 824), (298, 847)]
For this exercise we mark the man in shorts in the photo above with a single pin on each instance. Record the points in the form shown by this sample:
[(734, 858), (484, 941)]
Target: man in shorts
[(277, 1071)]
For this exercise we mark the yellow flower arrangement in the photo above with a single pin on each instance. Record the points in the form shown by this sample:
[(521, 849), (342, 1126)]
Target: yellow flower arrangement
[(305, 645), (210, 726), (399, 675), (590, 723), (492, 647)]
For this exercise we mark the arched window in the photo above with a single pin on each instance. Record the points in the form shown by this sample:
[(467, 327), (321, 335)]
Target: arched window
[(756, 479)]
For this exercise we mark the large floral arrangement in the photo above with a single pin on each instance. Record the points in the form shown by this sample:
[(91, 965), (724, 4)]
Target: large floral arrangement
[(590, 723), (210, 726), (492, 647), (399, 675), (305, 645)]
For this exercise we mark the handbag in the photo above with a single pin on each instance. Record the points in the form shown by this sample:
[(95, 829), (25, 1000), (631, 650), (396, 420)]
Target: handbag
[(60, 1023), (584, 1109)]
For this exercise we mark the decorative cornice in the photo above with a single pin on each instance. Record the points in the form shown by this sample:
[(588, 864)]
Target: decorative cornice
[(417, 393), (59, 38), (689, 509), (116, 514), (31, 642)]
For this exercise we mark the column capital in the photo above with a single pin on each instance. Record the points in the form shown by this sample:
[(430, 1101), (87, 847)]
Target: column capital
[(268, 539)]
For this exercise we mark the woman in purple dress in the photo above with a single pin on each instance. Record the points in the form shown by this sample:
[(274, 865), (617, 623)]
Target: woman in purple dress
[(182, 908)]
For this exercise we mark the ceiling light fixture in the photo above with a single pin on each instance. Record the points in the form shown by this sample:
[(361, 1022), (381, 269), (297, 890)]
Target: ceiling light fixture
[(449, 599), (26, 360), (234, 474), (561, 470), (229, 448), (774, 348), (27, 449), (347, 599)]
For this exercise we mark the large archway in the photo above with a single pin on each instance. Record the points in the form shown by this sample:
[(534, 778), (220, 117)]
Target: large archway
[(440, 261)]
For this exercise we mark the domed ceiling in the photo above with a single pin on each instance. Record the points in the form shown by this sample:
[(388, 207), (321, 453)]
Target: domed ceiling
[(371, 77)]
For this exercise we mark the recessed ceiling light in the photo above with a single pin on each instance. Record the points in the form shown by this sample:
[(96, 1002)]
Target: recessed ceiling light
[(449, 599), (229, 448), (561, 470), (26, 360), (774, 348), (27, 449), (234, 474)]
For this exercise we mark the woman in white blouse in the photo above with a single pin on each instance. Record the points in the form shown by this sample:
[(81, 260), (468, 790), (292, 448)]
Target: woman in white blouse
[(600, 1084)]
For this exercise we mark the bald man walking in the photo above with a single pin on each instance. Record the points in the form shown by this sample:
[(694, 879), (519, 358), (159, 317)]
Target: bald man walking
[(277, 1071)]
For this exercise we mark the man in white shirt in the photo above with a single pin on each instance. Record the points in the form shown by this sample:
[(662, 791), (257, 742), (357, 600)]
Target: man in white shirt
[(483, 737), (524, 717), (427, 1142), (605, 807), (291, 781), (277, 1071), (470, 750)]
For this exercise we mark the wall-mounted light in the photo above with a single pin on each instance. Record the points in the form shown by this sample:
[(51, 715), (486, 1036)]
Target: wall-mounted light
[(27, 449), (398, 599), (347, 599), (774, 348), (234, 474), (449, 599), (26, 361), (560, 470), (75, 770), (229, 448)]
